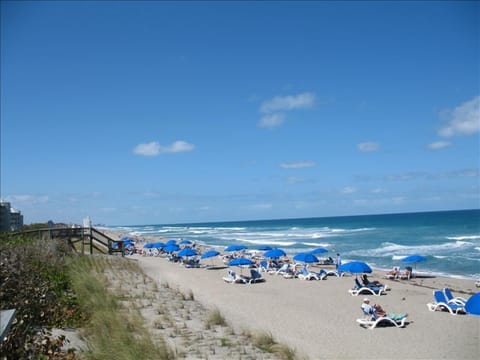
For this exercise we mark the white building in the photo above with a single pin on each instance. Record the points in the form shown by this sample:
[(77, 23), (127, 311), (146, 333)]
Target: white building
[(10, 219)]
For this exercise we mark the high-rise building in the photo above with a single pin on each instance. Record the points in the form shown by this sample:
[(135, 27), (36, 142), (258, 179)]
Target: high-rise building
[(10, 219)]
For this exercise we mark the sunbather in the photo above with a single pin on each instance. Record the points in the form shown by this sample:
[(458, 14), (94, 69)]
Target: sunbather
[(369, 283), (375, 310), (393, 273), (407, 274)]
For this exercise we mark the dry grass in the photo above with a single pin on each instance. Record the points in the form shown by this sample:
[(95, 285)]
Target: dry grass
[(146, 321)]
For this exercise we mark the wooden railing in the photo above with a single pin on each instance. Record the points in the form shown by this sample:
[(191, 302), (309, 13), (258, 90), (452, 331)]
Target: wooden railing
[(80, 239)]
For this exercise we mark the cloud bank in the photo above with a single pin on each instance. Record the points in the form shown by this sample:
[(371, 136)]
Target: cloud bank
[(275, 108), (154, 148), (298, 165), (464, 119)]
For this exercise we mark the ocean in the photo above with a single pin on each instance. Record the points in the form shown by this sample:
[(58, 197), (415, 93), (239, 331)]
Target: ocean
[(450, 240)]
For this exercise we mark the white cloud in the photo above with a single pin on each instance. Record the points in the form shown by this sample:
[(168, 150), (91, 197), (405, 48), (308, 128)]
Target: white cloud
[(291, 102), (154, 148), (368, 146), (298, 165), (438, 145), (348, 190), (271, 120), (464, 119), (27, 199), (275, 107)]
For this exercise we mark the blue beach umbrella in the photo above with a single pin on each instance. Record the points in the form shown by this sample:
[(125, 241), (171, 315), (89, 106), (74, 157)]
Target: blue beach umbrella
[(472, 306), (171, 248), (171, 242), (274, 253), (240, 262), (187, 252), (148, 246), (264, 248), (210, 254), (306, 258), (157, 245), (319, 250), (355, 267), (235, 248), (414, 259), (185, 242)]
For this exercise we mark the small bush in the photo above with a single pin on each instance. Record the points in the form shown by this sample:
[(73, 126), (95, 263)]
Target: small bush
[(216, 318)]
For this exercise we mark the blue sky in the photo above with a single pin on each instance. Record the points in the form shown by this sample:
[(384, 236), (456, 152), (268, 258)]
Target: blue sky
[(170, 112)]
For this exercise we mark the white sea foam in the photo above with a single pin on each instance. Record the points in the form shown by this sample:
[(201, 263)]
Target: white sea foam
[(263, 242), (316, 244), (397, 252), (465, 237), (351, 230)]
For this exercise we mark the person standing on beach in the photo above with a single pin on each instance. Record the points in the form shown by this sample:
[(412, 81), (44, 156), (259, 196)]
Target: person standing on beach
[(338, 262)]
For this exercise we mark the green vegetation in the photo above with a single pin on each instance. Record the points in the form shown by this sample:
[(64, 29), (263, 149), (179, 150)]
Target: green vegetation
[(112, 332), (51, 287), (266, 342), (34, 281), (216, 318)]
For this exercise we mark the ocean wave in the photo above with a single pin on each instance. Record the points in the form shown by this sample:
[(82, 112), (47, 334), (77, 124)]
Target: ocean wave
[(316, 244), (263, 242), (351, 230), (397, 251), (465, 237)]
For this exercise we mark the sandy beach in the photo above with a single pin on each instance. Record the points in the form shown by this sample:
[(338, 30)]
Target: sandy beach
[(318, 318)]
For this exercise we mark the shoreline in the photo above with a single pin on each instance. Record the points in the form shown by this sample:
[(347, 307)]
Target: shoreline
[(318, 318)]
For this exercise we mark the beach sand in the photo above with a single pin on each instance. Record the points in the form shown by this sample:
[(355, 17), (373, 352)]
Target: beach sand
[(318, 318)]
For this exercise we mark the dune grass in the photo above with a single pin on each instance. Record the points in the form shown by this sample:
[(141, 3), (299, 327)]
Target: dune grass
[(267, 343), (112, 332)]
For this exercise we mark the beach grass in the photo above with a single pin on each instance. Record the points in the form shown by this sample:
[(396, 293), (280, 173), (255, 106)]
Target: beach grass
[(112, 332), (216, 318), (265, 341)]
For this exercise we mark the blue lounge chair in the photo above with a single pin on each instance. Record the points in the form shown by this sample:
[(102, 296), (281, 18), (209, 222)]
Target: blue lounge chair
[(453, 299), (255, 277), (234, 278), (441, 303), (305, 274), (360, 289)]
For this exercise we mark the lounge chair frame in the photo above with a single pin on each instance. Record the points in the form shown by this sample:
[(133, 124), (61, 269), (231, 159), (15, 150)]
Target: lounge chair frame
[(458, 300), (372, 324), (373, 290), (442, 303)]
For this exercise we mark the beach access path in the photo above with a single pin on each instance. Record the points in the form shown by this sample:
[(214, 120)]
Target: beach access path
[(318, 318)]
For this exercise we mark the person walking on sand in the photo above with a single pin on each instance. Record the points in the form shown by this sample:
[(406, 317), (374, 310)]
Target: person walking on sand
[(338, 262)]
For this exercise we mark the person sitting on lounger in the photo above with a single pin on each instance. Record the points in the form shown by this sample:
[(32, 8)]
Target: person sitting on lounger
[(376, 310), (369, 283), (393, 273)]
